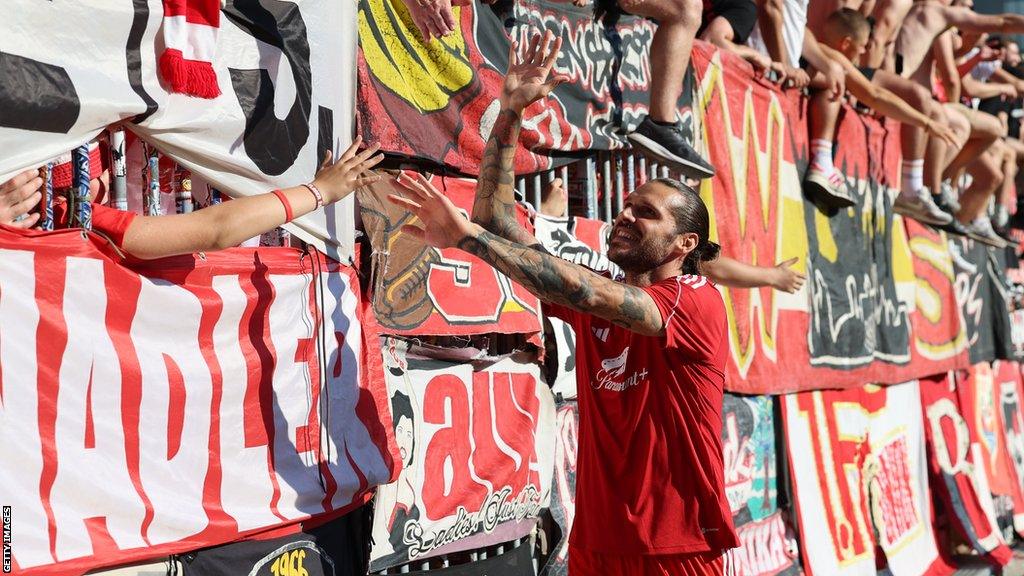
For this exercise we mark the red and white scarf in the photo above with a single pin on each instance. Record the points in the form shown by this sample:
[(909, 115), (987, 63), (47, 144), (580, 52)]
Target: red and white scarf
[(190, 33)]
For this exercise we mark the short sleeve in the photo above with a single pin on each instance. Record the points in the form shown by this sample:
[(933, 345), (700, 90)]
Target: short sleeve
[(112, 222), (563, 313), (693, 314)]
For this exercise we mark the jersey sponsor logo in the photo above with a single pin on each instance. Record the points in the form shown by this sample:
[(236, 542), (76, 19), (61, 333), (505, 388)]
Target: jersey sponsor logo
[(614, 368)]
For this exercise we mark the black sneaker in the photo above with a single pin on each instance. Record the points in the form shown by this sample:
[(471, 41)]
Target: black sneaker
[(942, 201), (954, 227), (667, 144)]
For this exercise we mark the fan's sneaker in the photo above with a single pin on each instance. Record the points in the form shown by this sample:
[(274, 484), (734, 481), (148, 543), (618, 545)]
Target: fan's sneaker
[(668, 145)]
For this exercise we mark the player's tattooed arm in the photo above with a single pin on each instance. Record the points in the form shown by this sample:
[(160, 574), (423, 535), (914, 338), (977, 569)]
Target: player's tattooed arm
[(560, 282), (495, 204)]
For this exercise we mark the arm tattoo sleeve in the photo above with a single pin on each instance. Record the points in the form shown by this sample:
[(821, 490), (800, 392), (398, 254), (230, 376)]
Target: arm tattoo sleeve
[(495, 204), (560, 282)]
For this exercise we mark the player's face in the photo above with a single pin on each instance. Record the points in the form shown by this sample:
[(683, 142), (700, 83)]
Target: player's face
[(644, 233)]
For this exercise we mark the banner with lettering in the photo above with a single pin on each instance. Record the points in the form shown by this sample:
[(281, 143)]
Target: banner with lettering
[(957, 468), (422, 290), (170, 405), (876, 306), (437, 101), (767, 546), (859, 479), (286, 76), (477, 447)]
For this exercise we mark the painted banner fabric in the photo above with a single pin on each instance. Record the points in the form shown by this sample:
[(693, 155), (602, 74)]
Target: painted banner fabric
[(563, 486), (1011, 416), (957, 470), (859, 480), (437, 101), (193, 394), (874, 306), (422, 290), (477, 453), (286, 74), (767, 546), (326, 550)]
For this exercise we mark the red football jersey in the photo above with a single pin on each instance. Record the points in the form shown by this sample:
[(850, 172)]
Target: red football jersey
[(649, 468)]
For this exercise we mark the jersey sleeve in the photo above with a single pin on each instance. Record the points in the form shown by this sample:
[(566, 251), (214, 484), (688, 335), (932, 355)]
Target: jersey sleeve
[(112, 222), (693, 314)]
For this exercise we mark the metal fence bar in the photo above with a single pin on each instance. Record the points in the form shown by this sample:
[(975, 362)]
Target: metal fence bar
[(591, 189), (537, 187), (619, 184), (119, 184), (521, 187), (151, 201), (46, 222), (606, 187), (83, 208), (630, 174), (182, 181)]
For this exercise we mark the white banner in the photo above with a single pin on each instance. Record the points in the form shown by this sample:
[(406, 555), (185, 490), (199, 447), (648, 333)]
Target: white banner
[(477, 446), (179, 405), (286, 71)]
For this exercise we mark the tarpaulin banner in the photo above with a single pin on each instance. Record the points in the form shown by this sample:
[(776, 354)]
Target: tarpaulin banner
[(422, 290), (179, 403), (1011, 413), (334, 549), (437, 101), (563, 486), (478, 452), (956, 466), (748, 441), (868, 292), (285, 69), (514, 562), (859, 480)]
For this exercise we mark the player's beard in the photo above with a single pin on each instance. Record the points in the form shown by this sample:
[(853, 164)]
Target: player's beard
[(642, 255)]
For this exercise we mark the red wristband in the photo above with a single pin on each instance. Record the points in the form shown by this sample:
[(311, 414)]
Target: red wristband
[(316, 194), (287, 205)]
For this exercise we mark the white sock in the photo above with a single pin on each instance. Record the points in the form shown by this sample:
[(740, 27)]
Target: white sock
[(913, 176), (821, 159)]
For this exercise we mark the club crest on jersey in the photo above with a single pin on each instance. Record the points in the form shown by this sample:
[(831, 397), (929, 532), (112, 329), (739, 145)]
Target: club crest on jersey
[(609, 377)]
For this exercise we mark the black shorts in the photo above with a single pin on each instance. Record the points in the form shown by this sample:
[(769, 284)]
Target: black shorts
[(740, 14)]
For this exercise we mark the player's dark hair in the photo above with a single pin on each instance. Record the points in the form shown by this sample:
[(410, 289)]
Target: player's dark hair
[(691, 215)]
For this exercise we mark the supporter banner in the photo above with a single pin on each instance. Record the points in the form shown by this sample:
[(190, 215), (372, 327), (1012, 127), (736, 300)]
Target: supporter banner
[(421, 290), (857, 465), (438, 101), (980, 406), (748, 439), (974, 296), (873, 308), (515, 562), (563, 489), (179, 403), (477, 454), (285, 71), (1008, 379), (334, 549), (956, 466)]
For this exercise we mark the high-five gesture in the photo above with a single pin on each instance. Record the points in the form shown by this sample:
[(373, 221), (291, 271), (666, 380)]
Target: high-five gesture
[(529, 75), (444, 226), (337, 179)]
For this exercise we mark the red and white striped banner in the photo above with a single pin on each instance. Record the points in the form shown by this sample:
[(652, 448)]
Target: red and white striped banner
[(167, 406)]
